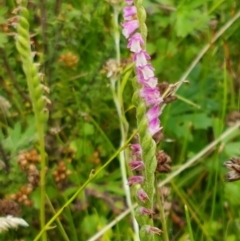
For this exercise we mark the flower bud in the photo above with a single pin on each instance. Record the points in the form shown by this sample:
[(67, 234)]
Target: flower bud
[(136, 165), (135, 180), (142, 195)]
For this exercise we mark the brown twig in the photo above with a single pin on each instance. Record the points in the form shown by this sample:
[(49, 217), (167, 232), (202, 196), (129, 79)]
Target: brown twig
[(12, 76)]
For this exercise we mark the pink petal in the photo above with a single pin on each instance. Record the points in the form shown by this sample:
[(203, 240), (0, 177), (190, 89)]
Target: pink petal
[(141, 58), (146, 71), (136, 165), (128, 12), (151, 96), (129, 27), (135, 180), (142, 195), (153, 112), (136, 149), (154, 126), (135, 43), (151, 82), (145, 211)]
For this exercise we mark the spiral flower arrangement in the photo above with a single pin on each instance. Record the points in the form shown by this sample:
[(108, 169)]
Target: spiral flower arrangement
[(36, 93), (147, 99), (30, 68)]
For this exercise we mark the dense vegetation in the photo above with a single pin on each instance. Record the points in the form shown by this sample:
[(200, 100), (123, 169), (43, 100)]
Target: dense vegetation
[(88, 97)]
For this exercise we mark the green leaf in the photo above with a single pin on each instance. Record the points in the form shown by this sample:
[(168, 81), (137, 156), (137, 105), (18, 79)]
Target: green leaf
[(87, 129), (232, 193), (196, 3), (231, 237), (232, 149), (3, 11), (19, 139), (3, 40), (189, 21)]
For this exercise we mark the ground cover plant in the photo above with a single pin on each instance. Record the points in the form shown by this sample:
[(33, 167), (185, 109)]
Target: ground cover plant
[(100, 141)]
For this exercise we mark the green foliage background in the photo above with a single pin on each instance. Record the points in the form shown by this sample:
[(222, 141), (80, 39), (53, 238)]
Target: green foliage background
[(85, 117)]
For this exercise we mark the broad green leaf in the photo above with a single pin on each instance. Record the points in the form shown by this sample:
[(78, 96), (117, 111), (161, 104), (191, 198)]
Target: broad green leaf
[(232, 149)]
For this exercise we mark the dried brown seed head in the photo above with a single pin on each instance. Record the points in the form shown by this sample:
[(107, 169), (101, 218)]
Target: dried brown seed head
[(159, 136), (9, 207), (163, 162), (234, 166), (167, 91), (233, 117), (111, 68)]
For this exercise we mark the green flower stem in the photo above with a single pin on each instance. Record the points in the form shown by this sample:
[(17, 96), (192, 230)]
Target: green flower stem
[(148, 154), (162, 214), (116, 12), (141, 14), (145, 138), (117, 98), (147, 143), (69, 217), (189, 223), (36, 96)]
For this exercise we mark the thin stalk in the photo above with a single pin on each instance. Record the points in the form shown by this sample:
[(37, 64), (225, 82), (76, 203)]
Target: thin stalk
[(74, 236), (122, 159), (117, 98), (225, 94), (118, 232), (40, 132), (42, 177), (30, 69), (12, 76), (189, 223), (116, 11), (220, 127), (160, 202), (238, 105)]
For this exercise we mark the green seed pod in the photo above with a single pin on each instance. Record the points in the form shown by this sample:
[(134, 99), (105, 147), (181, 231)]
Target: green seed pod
[(44, 115), (40, 103), (38, 92), (23, 25)]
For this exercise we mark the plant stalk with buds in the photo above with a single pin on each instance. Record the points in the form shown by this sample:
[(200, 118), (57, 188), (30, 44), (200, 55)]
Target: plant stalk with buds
[(147, 99), (37, 97)]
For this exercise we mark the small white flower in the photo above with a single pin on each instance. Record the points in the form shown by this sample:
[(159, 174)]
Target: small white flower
[(3, 225), (11, 222)]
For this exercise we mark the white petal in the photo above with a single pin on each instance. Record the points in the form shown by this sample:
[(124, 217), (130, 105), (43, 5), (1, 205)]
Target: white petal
[(11, 222)]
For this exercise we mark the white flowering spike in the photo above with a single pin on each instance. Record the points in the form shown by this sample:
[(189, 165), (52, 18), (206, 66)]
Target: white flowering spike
[(11, 222)]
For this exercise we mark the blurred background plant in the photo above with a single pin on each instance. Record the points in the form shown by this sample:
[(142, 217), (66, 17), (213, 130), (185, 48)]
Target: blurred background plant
[(74, 41)]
